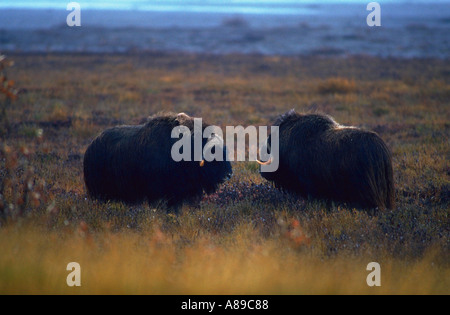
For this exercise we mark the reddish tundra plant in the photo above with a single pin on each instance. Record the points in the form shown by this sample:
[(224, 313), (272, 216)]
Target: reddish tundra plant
[(7, 93), (19, 189)]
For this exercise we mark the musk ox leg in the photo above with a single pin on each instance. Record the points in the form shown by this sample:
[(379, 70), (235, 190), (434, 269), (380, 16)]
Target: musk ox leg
[(174, 205), (194, 202), (170, 205), (330, 204)]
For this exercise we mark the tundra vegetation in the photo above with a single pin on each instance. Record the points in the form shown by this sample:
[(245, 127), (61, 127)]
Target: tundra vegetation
[(248, 237)]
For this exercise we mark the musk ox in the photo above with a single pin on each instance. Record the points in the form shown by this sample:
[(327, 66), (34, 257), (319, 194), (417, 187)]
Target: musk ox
[(135, 164), (322, 159)]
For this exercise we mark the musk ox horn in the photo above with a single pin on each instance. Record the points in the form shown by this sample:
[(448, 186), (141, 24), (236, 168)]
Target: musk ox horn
[(268, 162), (321, 159), (181, 117), (134, 163)]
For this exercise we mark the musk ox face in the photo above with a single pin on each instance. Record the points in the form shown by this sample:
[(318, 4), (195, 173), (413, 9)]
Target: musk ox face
[(135, 163), (216, 171), (321, 159)]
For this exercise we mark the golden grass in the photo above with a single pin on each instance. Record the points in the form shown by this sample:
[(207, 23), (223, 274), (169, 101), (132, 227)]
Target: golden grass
[(336, 85), (34, 262)]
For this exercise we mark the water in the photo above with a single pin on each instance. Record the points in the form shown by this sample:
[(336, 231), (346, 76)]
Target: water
[(229, 6), (409, 28), (205, 6)]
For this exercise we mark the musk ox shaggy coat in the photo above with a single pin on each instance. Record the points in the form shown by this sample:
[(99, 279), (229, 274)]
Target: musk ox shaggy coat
[(134, 163), (321, 159)]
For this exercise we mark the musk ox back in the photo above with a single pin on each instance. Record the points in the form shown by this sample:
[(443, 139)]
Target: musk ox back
[(321, 159), (134, 164)]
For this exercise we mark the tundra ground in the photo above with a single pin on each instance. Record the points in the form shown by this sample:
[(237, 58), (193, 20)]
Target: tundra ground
[(248, 237)]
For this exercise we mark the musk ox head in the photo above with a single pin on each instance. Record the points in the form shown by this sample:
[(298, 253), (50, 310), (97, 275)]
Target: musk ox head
[(135, 163), (322, 159)]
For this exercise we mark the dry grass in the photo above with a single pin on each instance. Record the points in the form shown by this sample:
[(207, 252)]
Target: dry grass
[(153, 262), (336, 85), (248, 238)]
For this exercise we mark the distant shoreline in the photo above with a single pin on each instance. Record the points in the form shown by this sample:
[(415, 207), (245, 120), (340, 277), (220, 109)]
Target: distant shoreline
[(418, 31), (182, 54)]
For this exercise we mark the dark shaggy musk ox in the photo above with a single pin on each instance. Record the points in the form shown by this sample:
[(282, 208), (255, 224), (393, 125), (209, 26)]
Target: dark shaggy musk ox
[(134, 164), (322, 159)]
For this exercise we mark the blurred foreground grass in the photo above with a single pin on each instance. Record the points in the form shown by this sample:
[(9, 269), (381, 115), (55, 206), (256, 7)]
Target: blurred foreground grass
[(248, 238), (153, 262)]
